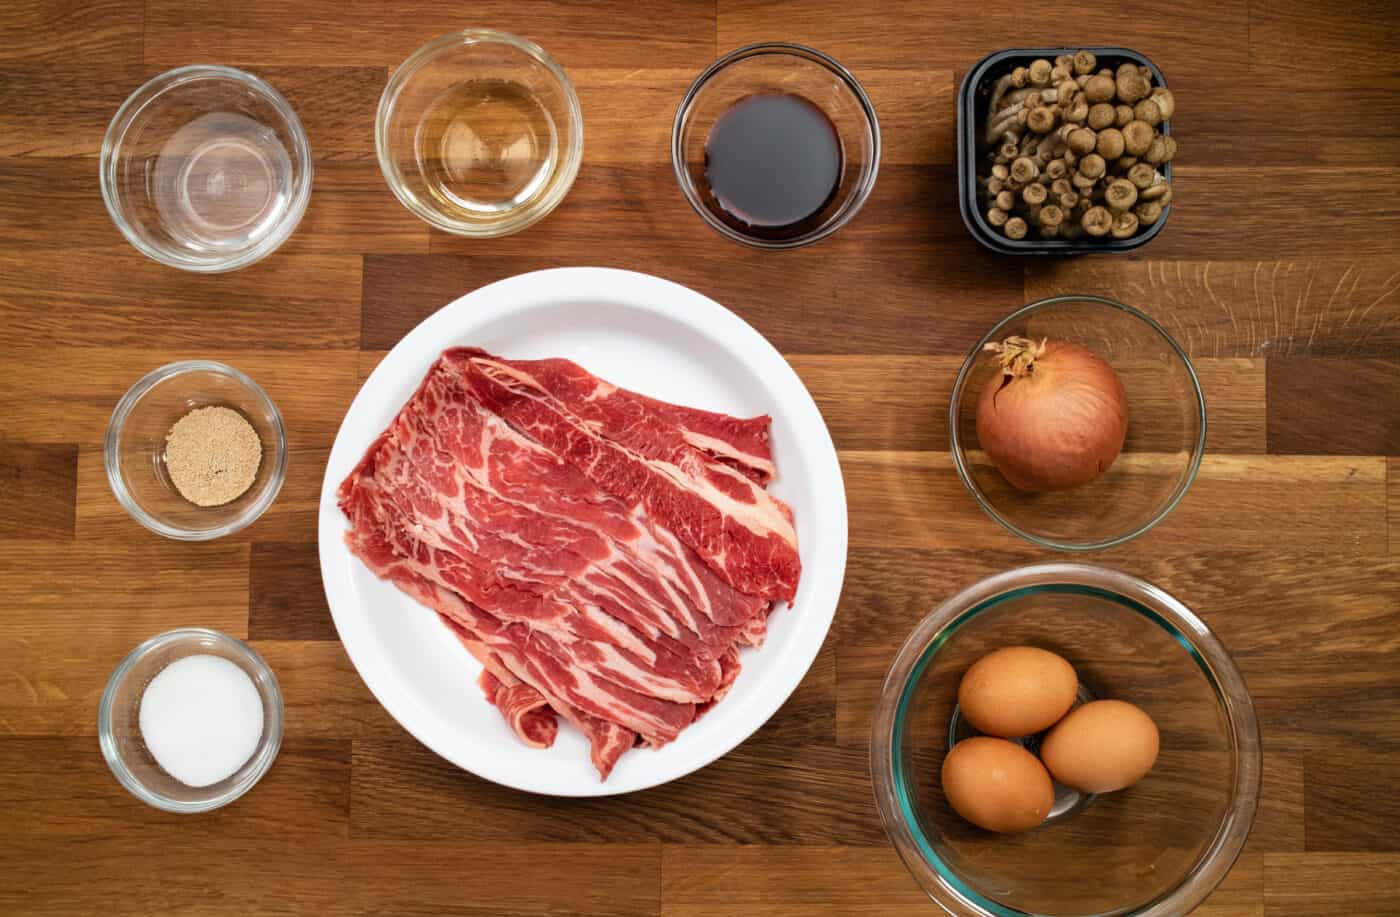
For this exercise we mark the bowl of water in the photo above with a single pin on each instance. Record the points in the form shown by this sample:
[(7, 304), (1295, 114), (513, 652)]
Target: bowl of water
[(206, 168), (479, 133)]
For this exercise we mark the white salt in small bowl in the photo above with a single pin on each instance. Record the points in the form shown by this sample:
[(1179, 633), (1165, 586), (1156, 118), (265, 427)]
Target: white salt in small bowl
[(119, 721)]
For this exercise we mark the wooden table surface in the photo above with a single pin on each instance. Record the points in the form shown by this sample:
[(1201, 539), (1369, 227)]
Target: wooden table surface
[(1279, 271)]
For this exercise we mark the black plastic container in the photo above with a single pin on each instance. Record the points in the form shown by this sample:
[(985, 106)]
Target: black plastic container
[(973, 99)]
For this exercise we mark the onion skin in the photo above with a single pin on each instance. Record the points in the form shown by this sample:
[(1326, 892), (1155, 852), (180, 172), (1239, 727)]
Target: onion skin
[(1055, 418)]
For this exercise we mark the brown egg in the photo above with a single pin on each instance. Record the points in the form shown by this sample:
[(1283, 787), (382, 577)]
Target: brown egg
[(997, 785), (1017, 691), (1101, 747)]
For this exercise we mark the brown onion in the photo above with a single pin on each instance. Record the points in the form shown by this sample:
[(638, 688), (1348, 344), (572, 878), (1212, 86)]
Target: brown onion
[(1054, 418)]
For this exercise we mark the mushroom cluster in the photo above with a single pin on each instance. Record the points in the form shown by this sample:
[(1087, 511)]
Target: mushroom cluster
[(1073, 149)]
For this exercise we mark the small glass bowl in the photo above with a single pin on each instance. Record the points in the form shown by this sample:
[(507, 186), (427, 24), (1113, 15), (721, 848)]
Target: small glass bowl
[(778, 67), (1166, 428), (1157, 848), (134, 451), (206, 169), (479, 133), (119, 726)]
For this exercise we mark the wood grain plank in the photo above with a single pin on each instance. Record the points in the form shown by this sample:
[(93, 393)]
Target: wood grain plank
[(46, 31), (805, 310), (1392, 486), (532, 880), (105, 593), (697, 881), (900, 402), (910, 33), (74, 100), (638, 209), (285, 600), (1241, 894), (90, 298), (1324, 885), (323, 696), (352, 209), (312, 390), (673, 33), (201, 875), (336, 106), (1336, 503), (761, 793), (1359, 32), (1308, 307), (38, 490), (291, 517), (1333, 407), (62, 788), (1343, 812), (630, 112)]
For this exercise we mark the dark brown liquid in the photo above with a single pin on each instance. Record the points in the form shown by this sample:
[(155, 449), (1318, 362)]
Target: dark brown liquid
[(773, 163)]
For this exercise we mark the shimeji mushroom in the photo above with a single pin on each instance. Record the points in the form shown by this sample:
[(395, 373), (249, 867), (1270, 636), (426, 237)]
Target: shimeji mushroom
[(1124, 163), (1160, 150), (1099, 89), (1100, 116), (1110, 143), (1143, 176), (1034, 193), (1015, 228), (1097, 221), (1024, 169), (1148, 212), (1124, 225), (1081, 141), (1122, 114), (1148, 110), (1137, 138), (1040, 72), (1130, 84), (1120, 194), (997, 217), (1056, 169), (1092, 166), (1069, 200), (1085, 62), (1005, 200), (1166, 102)]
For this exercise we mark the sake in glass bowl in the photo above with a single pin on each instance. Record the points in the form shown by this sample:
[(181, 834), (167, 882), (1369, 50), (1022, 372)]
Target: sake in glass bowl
[(479, 133), (778, 68), (134, 452), (1156, 848), (206, 169), (1162, 451), (119, 721)]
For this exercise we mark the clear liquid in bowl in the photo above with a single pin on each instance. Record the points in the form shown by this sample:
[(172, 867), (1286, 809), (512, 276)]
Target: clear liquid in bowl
[(485, 147), (221, 183)]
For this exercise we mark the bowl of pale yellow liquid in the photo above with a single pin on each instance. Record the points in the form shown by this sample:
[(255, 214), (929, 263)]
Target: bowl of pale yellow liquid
[(479, 133)]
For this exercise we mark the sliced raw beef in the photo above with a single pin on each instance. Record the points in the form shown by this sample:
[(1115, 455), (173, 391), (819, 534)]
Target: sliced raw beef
[(601, 553), (744, 533)]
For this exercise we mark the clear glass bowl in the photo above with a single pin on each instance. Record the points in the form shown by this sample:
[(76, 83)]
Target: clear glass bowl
[(1157, 848), (134, 451), (778, 67), (1166, 428), (206, 169), (119, 728), (479, 133)]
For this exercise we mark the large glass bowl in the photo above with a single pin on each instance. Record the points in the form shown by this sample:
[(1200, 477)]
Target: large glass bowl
[(778, 67), (479, 133), (1166, 427), (1157, 848)]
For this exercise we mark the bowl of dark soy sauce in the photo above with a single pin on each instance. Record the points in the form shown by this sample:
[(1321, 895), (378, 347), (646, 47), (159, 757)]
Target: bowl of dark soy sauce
[(776, 145)]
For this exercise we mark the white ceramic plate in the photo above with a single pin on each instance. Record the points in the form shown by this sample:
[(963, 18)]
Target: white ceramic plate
[(645, 334)]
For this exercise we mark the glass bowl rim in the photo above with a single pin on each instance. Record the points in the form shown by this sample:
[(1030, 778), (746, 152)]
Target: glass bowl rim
[(790, 49), (268, 744), (111, 451), (568, 166), (943, 885), (171, 80), (955, 435)]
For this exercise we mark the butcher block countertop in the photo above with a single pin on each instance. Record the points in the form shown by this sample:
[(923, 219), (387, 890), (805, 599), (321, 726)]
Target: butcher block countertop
[(1279, 272)]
